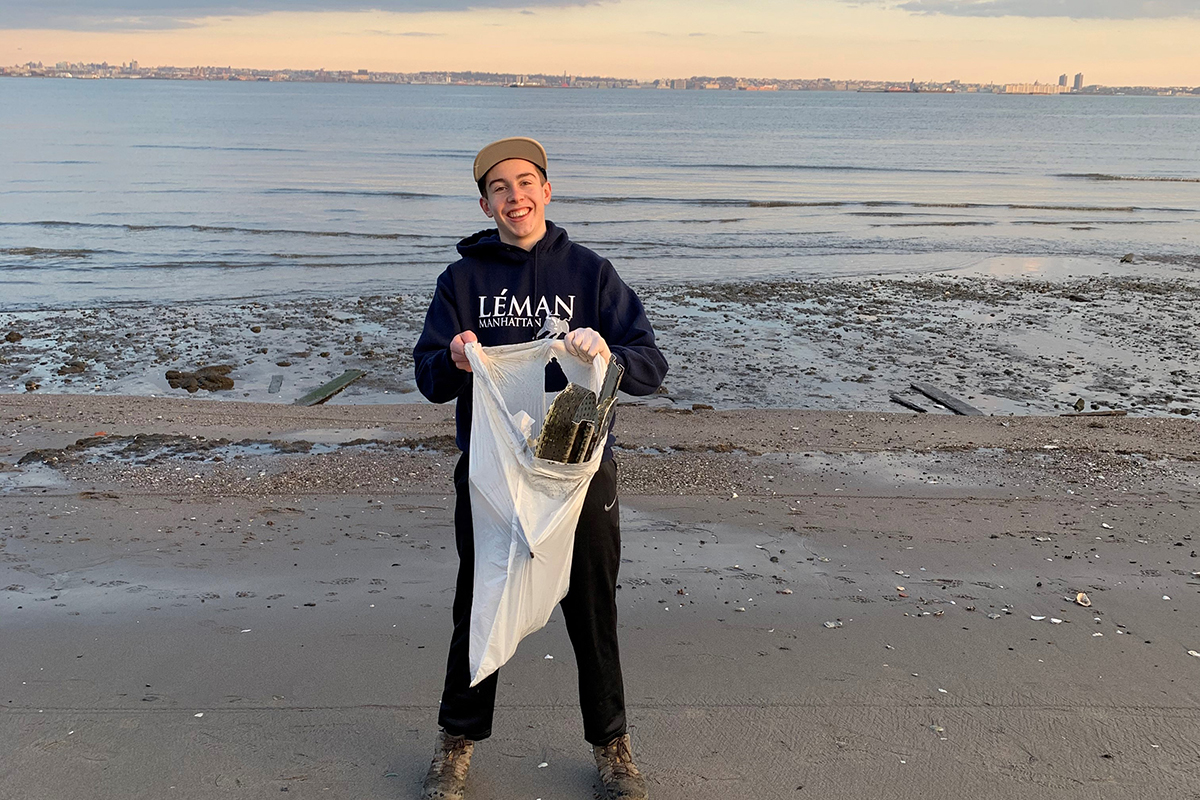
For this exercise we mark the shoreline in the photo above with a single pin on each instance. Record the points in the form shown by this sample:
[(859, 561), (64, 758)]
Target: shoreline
[(1007, 344)]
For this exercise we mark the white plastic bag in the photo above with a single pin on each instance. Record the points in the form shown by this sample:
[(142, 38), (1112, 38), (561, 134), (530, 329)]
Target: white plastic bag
[(524, 508)]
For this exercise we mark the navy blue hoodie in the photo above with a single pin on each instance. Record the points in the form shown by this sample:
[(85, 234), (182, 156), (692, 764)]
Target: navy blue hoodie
[(503, 293)]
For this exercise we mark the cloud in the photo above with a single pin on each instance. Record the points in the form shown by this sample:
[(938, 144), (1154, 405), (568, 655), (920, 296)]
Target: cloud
[(125, 15), (401, 33), (1073, 9)]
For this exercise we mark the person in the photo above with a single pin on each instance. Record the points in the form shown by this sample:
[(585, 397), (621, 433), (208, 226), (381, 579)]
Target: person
[(507, 283)]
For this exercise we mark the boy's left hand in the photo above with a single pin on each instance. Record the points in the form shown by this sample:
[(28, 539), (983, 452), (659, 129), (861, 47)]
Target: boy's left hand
[(586, 343)]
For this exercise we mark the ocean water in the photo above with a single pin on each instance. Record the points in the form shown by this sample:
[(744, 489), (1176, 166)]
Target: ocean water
[(132, 192)]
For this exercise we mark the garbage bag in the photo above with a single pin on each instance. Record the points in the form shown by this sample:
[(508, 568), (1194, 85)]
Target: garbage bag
[(524, 509)]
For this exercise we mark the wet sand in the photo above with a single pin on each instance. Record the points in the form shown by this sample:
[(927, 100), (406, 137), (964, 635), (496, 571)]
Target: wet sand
[(265, 609), (1013, 335)]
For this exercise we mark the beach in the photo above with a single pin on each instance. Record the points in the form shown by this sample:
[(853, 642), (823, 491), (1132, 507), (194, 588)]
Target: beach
[(205, 599), (823, 592)]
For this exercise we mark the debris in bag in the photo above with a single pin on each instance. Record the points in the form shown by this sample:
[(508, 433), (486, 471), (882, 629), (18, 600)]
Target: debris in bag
[(578, 419), (1083, 600)]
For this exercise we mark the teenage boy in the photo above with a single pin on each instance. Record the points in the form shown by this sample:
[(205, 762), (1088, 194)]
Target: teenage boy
[(508, 281)]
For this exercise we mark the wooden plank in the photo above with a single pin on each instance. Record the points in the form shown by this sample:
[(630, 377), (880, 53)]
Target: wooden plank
[(328, 390), (909, 404), (276, 384), (949, 401), (1110, 413)]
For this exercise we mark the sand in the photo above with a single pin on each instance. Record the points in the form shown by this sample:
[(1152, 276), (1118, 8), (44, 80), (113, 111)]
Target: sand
[(275, 621)]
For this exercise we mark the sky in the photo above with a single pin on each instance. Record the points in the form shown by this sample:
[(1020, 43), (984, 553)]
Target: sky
[(1113, 42)]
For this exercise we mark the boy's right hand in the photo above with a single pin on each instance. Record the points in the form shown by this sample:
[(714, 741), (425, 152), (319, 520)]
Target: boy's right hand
[(458, 349)]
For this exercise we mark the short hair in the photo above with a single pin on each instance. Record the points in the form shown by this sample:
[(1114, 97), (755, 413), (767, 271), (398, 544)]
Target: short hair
[(482, 183)]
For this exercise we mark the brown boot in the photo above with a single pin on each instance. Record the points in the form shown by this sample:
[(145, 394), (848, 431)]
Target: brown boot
[(618, 773), (447, 776)]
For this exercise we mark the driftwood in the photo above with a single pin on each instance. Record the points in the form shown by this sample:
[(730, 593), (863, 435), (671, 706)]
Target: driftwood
[(949, 401), (1109, 413), (328, 390), (909, 404)]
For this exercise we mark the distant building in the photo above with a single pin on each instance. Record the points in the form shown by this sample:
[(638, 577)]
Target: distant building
[(679, 83), (1062, 80), (1078, 82), (1034, 88)]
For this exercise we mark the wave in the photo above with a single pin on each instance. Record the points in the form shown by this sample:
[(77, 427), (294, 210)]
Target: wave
[(721, 202), (215, 147), (1102, 176), (833, 168), (232, 229), (353, 193), (47, 252), (955, 224), (703, 201)]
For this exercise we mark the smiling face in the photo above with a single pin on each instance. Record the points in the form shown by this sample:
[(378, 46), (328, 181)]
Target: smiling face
[(516, 198)]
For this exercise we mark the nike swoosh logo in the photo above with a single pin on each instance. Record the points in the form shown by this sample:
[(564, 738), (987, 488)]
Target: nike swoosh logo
[(610, 505)]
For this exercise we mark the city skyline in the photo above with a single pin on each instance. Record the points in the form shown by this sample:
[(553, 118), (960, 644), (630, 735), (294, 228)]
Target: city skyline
[(135, 70), (1117, 42)]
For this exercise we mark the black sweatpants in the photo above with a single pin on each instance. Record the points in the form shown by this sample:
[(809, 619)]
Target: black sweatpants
[(590, 608)]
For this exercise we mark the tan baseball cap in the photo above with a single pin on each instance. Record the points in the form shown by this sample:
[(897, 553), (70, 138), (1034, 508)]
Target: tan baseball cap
[(512, 147)]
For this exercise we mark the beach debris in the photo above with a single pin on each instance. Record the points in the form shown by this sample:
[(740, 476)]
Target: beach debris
[(993, 616), (1127, 258), (211, 379), (937, 729), (1097, 633), (548, 657), (1106, 526), (783, 591), (32, 386), (909, 404), (1111, 412), (832, 623), (1166, 597), (12, 337), (1193, 653), (1036, 618), (943, 691), (1055, 621), (201, 714), (328, 390), (1083, 600), (276, 384), (543, 765), (935, 394), (579, 418), (1079, 404)]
